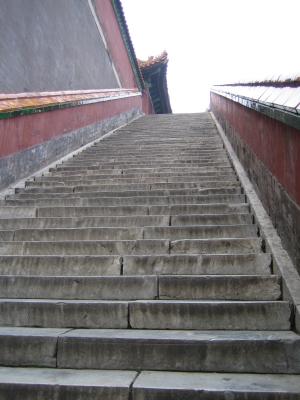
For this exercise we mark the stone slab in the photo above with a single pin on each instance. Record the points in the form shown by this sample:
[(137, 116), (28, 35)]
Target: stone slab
[(219, 351), (151, 385)]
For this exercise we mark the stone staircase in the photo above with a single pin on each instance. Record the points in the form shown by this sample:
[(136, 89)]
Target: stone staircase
[(135, 271)]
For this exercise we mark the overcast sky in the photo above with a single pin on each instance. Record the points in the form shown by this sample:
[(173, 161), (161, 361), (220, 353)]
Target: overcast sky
[(216, 41)]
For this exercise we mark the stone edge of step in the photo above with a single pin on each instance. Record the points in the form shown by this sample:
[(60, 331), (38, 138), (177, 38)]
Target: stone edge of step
[(282, 263)]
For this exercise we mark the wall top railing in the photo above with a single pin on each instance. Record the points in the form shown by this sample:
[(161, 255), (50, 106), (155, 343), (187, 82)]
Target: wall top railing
[(278, 100), (18, 104)]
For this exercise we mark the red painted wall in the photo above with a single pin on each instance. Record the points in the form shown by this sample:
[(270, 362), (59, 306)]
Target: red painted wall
[(275, 144), (109, 24), (20, 133)]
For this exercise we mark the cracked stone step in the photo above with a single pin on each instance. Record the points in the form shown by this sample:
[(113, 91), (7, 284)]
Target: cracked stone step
[(206, 264), (54, 383), (201, 351), (61, 265), (152, 385), (29, 346)]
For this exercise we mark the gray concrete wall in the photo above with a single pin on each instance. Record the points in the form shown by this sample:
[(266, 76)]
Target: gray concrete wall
[(51, 45)]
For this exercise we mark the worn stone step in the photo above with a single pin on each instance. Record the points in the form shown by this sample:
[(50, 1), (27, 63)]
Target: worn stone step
[(89, 222), (130, 233), (198, 231), (17, 212), (201, 351), (124, 221), (131, 171), (214, 181), (206, 264), (136, 175), (117, 188), (220, 287), (206, 315), (86, 287), (67, 384), (62, 313), (95, 247), (134, 200), (67, 212), (61, 265), (142, 314), (64, 168), (127, 193), (152, 385), (101, 233), (210, 219), (216, 208), (212, 208), (216, 246), (135, 287)]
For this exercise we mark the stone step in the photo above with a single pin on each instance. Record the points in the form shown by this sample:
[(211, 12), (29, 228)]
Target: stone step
[(140, 287), (134, 200), (93, 247), (155, 314), (64, 168), (133, 247), (138, 175), (125, 221), (129, 171), (55, 383), (197, 232), (91, 288), (130, 233), (126, 193), (207, 264), (210, 264), (211, 182), (121, 187), (152, 385), (216, 208), (62, 313), (200, 351), (109, 221), (61, 265)]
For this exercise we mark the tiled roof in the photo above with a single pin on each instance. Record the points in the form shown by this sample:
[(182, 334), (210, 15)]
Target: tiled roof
[(27, 103), (151, 61)]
